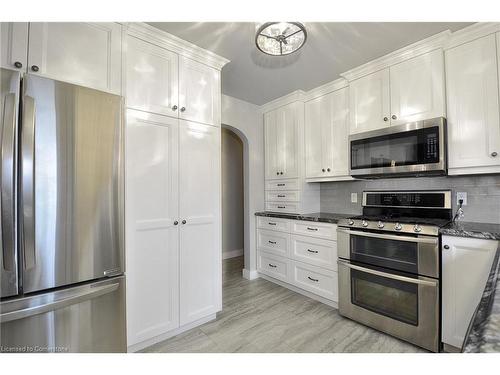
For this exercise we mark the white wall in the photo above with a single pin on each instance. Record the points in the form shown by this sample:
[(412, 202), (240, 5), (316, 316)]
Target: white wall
[(245, 120), (232, 194)]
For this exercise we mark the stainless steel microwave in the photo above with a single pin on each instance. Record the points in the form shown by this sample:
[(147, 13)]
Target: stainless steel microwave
[(412, 149)]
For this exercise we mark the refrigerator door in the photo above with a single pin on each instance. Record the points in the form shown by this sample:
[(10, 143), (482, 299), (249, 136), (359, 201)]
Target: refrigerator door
[(9, 104), (72, 184), (86, 318)]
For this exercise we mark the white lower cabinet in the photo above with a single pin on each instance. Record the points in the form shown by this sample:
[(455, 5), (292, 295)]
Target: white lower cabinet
[(466, 266), (302, 254)]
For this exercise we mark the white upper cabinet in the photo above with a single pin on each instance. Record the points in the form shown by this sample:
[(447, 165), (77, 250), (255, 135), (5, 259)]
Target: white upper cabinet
[(326, 135), (369, 102), (14, 45), (417, 88), (200, 228), (151, 234), (271, 145), (152, 78), (87, 54), (473, 107), (199, 92)]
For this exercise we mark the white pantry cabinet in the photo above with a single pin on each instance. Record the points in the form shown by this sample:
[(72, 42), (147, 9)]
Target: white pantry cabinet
[(152, 237), (369, 102), (152, 78), (326, 135), (87, 54), (473, 107), (466, 265), (14, 45), (200, 225)]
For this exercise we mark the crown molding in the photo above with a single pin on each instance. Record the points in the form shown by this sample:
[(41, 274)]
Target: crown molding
[(327, 88), (168, 41), (472, 32), (423, 46), (294, 96)]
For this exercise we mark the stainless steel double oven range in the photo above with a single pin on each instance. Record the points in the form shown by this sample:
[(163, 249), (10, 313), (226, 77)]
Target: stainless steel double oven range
[(389, 264)]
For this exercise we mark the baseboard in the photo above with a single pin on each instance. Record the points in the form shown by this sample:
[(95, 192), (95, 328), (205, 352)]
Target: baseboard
[(301, 291), (250, 274), (169, 334), (232, 254)]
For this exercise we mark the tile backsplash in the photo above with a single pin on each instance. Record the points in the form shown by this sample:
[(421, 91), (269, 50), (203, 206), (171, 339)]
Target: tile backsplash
[(483, 193)]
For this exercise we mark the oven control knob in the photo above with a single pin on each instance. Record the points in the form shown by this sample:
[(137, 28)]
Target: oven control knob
[(350, 222), (417, 228), (364, 223), (380, 225), (398, 226)]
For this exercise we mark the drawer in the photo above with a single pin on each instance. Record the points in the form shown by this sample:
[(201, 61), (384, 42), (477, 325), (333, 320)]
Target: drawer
[(316, 280), (274, 266), (283, 196), (315, 251), (314, 229), (272, 223), (292, 184), (286, 207), (273, 242)]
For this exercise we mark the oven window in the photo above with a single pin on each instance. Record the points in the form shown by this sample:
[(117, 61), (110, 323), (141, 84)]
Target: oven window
[(406, 148), (392, 298), (398, 255)]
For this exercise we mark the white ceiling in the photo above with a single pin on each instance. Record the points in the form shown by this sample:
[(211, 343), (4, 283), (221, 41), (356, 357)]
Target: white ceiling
[(331, 48)]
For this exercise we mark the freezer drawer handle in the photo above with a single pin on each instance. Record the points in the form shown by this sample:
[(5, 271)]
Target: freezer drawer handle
[(73, 300), (8, 182)]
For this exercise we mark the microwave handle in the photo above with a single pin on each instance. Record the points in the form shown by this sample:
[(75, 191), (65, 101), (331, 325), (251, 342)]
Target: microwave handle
[(388, 275), (431, 240)]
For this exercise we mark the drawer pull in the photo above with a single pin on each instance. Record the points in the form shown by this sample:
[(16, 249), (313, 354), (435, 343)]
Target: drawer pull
[(272, 242), (313, 229), (281, 185), (312, 251), (281, 206), (281, 196), (310, 278), (272, 265), (271, 223)]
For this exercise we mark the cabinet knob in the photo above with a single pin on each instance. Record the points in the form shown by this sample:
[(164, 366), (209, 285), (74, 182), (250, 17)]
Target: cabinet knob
[(494, 154), (18, 65), (446, 247), (394, 117), (277, 173), (323, 170), (328, 169), (281, 172), (386, 118), (35, 68), (183, 221), (176, 222), (174, 108), (183, 109)]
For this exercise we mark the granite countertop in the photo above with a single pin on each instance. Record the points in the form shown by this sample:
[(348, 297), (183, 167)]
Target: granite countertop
[(473, 230), (483, 335), (324, 217)]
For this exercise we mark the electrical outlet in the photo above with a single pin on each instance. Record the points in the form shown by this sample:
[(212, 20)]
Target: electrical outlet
[(354, 197), (463, 196)]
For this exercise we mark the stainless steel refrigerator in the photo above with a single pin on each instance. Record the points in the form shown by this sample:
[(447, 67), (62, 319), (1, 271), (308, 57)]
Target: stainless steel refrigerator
[(62, 197)]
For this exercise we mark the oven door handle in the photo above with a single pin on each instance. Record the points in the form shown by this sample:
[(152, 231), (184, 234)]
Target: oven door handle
[(431, 240), (388, 275)]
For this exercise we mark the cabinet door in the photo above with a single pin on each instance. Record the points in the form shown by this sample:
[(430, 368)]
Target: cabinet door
[(336, 136), (152, 78), (199, 92), (271, 145), (200, 235), (287, 141), (86, 54), (473, 105), (317, 118), (417, 88), (151, 235), (369, 102), (14, 45), (466, 266)]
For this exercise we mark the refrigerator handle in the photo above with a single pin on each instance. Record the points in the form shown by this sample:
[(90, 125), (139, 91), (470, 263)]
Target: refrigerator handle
[(28, 181), (8, 164)]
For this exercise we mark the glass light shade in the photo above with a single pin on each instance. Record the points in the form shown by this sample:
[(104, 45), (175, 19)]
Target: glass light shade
[(280, 38)]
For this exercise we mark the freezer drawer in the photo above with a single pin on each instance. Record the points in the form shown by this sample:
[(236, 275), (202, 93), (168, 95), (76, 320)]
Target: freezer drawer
[(86, 318)]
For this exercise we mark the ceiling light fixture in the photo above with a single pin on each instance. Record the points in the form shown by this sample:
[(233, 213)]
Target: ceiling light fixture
[(280, 38)]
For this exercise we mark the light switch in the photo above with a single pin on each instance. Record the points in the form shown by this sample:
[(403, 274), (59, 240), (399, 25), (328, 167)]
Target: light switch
[(354, 197)]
